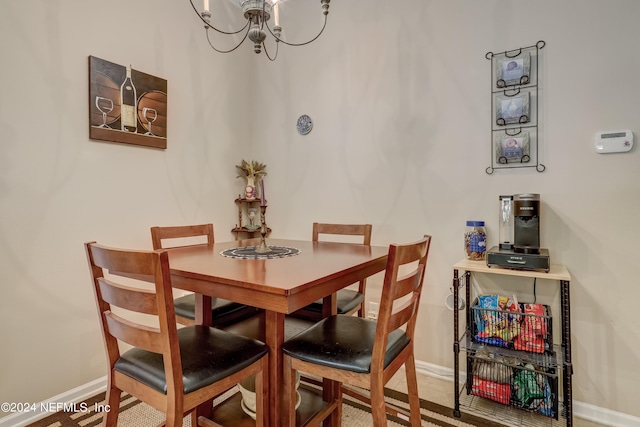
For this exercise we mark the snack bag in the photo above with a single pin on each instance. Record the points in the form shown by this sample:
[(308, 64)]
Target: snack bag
[(488, 301), (490, 390), (534, 330), (494, 322), (527, 387), (533, 344), (536, 323)]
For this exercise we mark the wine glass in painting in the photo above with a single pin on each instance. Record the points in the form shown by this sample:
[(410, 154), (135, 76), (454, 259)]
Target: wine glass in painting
[(150, 115), (105, 106)]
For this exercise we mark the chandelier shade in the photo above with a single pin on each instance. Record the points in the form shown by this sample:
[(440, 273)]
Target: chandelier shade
[(262, 17)]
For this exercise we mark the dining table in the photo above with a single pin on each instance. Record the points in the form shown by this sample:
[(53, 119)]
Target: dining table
[(294, 274)]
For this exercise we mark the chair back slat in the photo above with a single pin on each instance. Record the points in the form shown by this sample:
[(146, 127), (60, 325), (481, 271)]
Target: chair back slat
[(141, 336), (400, 294), (121, 262), (402, 309), (407, 254), (132, 299), (402, 313), (158, 234), (363, 230), (408, 283)]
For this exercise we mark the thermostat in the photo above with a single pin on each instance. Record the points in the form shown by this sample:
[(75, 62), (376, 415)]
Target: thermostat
[(614, 142)]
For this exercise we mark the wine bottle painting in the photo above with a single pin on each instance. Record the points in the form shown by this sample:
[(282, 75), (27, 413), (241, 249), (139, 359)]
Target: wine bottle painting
[(128, 102), (126, 105)]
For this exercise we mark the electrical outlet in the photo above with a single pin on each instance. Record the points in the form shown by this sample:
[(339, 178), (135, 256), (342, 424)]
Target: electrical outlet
[(372, 313)]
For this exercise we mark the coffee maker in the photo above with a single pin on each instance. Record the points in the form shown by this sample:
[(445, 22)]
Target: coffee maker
[(526, 223), (519, 246)]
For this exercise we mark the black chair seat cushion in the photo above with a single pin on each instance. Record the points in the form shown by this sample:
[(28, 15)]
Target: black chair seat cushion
[(343, 342), (346, 300), (208, 355), (223, 312)]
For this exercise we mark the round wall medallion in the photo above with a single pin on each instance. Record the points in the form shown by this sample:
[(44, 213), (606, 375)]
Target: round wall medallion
[(304, 124)]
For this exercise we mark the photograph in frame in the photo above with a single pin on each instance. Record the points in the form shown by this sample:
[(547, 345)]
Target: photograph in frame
[(512, 109), (512, 148), (511, 71)]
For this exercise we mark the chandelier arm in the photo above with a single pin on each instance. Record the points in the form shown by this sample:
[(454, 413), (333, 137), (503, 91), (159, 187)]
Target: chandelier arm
[(230, 50), (208, 24), (298, 44), (266, 52)]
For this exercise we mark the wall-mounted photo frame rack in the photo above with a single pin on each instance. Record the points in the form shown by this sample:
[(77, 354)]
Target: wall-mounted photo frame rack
[(515, 108)]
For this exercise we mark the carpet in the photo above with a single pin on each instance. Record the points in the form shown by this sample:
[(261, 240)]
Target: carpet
[(134, 413)]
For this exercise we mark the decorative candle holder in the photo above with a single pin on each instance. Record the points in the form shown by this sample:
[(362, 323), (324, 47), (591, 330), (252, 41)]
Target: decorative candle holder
[(263, 248)]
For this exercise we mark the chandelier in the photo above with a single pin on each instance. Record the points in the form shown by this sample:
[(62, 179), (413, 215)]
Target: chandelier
[(257, 14)]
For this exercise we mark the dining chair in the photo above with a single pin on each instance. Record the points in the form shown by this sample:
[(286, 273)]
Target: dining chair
[(361, 352), (224, 312), (348, 301), (173, 370)]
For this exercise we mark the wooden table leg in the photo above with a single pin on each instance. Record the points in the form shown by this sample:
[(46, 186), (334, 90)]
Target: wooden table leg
[(203, 310), (274, 337)]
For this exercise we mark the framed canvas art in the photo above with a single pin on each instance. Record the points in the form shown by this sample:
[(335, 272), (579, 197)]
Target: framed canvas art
[(126, 105)]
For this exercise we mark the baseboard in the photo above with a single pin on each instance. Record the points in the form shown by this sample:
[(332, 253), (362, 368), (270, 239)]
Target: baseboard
[(78, 394), (437, 371), (581, 410), (604, 416)]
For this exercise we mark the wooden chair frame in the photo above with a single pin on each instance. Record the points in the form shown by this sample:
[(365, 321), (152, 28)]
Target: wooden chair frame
[(363, 230), (153, 267), (398, 307), (158, 234)]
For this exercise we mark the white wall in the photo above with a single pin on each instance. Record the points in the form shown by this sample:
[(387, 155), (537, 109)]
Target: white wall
[(58, 189), (400, 99)]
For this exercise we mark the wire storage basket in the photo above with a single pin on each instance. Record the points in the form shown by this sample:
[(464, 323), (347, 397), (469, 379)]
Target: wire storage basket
[(502, 322), (510, 354), (513, 381)]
